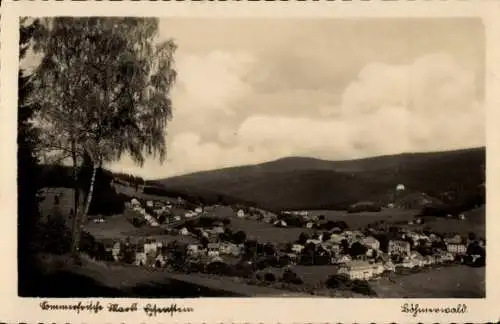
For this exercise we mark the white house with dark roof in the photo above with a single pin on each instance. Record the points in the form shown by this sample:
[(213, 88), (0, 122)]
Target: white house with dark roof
[(361, 270)]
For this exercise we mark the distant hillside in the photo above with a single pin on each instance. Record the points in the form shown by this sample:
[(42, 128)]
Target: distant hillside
[(306, 183)]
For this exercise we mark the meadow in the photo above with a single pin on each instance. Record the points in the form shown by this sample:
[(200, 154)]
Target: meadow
[(457, 281)]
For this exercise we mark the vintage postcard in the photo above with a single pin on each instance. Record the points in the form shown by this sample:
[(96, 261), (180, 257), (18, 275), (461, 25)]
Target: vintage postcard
[(247, 162)]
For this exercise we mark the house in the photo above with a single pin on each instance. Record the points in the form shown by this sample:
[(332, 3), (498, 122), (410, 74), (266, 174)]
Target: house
[(218, 230), (417, 259), (457, 239), (160, 261), (280, 223), (313, 241), (446, 257), (456, 248), (408, 263), (398, 247), (297, 248), (116, 251), (150, 248), (430, 260), (336, 238), (293, 257), (370, 242), (357, 234), (330, 246), (389, 266), (342, 259), (240, 213), (434, 238), (268, 219), (184, 231), (361, 270), (230, 248), (213, 249), (192, 249), (140, 259), (347, 233)]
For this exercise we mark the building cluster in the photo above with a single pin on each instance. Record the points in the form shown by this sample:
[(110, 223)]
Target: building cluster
[(156, 213), (359, 254), (362, 256)]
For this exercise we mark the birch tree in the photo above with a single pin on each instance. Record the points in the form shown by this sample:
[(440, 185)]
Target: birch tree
[(104, 90)]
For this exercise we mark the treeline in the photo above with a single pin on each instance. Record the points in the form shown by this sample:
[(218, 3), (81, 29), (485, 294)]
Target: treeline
[(131, 179), (105, 200), (196, 196)]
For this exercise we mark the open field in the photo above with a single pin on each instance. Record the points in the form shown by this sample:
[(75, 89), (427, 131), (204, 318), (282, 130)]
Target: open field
[(440, 282), (132, 281), (264, 232), (118, 226), (360, 220), (313, 275)]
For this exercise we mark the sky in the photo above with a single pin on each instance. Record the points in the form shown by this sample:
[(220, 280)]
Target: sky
[(256, 90)]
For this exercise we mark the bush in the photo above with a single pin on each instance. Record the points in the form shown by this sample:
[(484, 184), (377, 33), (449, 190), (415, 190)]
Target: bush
[(218, 268), (269, 277), (363, 287), (337, 281), (138, 221), (239, 237), (291, 277), (54, 237), (364, 207)]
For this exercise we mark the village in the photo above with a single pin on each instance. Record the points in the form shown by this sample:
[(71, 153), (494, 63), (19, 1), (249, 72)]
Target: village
[(199, 240)]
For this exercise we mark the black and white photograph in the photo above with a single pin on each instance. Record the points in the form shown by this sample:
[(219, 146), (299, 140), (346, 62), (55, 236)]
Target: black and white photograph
[(186, 157)]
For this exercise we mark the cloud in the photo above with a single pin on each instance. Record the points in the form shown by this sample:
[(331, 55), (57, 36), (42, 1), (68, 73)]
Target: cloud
[(427, 105), (211, 82)]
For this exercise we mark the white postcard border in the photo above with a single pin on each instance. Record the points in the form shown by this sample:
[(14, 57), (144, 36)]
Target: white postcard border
[(251, 310)]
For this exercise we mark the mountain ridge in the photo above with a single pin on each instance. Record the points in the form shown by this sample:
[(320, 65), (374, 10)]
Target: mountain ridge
[(303, 182)]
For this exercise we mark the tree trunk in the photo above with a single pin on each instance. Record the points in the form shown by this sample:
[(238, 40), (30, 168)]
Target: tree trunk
[(83, 218), (76, 197)]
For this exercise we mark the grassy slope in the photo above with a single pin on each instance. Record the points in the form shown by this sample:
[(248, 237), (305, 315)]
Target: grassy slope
[(296, 183), (438, 282)]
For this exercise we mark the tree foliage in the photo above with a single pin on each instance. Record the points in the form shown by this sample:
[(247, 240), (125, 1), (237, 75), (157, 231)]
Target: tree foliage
[(27, 171), (104, 83), (104, 89)]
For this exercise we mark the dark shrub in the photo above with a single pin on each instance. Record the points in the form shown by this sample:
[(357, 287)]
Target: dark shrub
[(363, 287), (367, 206), (291, 277), (269, 277), (337, 281), (239, 237), (54, 237), (242, 269), (162, 218), (138, 221), (218, 268), (303, 237)]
